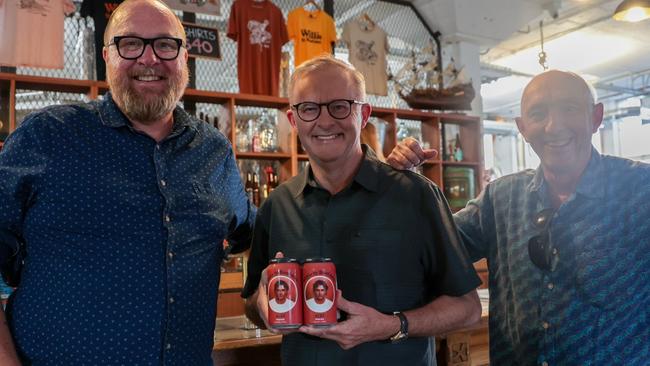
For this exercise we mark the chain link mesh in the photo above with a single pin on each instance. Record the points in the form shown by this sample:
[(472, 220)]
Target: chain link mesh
[(405, 32)]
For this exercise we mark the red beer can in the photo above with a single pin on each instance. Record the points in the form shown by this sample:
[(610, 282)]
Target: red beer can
[(284, 293), (319, 289)]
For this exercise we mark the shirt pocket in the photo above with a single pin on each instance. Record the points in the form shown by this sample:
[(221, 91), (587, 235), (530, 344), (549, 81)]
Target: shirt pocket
[(209, 212), (204, 198)]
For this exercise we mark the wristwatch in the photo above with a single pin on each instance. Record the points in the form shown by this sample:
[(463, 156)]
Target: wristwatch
[(403, 328)]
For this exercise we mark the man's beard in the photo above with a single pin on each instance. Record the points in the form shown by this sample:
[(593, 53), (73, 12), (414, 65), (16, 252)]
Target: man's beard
[(146, 107)]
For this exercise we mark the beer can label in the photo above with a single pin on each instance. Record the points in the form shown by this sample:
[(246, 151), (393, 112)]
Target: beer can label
[(284, 293), (319, 293)]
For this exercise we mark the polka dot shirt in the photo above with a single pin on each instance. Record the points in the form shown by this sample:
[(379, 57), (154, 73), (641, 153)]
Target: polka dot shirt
[(123, 236)]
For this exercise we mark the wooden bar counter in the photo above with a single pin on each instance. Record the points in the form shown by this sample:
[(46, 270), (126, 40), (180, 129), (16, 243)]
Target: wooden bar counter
[(236, 346)]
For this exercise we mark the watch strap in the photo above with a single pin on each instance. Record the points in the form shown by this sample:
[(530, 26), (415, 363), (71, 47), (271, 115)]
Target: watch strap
[(403, 332)]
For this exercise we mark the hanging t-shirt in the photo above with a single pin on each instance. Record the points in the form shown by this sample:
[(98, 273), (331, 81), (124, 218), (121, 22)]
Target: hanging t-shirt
[(212, 7), (32, 32), (312, 33), (368, 45), (100, 11), (258, 28)]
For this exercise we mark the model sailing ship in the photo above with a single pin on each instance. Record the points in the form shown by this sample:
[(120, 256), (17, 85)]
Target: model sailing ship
[(422, 86)]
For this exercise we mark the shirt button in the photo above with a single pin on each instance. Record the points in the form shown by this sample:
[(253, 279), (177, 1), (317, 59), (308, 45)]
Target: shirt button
[(550, 286), (554, 251), (163, 183), (170, 255), (167, 218), (546, 325), (171, 300), (158, 147), (168, 346)]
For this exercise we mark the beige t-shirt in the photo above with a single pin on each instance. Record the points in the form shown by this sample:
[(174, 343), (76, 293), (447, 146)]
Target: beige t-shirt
[(368, 46), (32, 32)]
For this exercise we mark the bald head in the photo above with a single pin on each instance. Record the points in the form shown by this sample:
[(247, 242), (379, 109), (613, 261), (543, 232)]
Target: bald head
[(557, 80), (558, 119), (126, 8)]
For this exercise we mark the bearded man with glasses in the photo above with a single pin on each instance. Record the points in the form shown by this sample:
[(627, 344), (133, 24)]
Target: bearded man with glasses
[(568, 244), (120, 207)]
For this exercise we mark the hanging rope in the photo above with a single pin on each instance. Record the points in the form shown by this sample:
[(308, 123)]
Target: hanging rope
[(542, 54)]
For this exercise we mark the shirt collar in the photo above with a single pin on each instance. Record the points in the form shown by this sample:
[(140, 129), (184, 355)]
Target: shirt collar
[(112, 116), (591, 184), (367, 176)]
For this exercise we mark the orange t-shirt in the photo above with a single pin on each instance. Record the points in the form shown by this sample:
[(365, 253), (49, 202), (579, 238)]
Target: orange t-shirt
[(312, 33), (258, 28)]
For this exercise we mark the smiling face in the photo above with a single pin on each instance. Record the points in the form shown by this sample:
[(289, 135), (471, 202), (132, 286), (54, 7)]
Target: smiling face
[(558, 119), (146, 89), (328, 140)]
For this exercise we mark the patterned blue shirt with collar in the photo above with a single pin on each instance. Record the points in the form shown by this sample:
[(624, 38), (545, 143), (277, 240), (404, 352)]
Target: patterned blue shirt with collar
[(123, 235), (592, 307)]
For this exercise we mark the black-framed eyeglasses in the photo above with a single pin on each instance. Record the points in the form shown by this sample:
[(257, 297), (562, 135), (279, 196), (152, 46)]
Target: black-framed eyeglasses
[(337, 108), (539, 246), (132, 47)]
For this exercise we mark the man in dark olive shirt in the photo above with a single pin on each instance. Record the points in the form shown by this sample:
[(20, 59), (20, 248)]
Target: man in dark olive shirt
[(399, 259)]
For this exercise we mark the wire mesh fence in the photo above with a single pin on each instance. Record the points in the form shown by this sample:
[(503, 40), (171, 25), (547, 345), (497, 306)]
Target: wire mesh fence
[(406, 34)]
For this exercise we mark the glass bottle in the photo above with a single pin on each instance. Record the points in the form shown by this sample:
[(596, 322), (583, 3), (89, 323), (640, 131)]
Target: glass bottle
[(458, 151), (268, 133)]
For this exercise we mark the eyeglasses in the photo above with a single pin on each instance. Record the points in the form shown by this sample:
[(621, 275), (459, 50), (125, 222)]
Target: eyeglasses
[(539, 246), (132, 47), (337, 108)]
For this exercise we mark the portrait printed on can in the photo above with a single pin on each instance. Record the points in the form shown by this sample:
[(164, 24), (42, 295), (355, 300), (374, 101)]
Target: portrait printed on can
[(282, 292), (319, 294)]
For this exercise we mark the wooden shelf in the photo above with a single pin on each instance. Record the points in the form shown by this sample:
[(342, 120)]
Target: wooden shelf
[(49, 84), (265, 101), (262, 155), (456, 118), (204, 96), (289, 158), (460, 163)]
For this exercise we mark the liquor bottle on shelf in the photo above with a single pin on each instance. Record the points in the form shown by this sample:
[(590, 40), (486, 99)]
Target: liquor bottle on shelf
[(269, 179), (458, 151), (256, 190), (254, 135), (276, 182), (268, 133), (242, 137), (248, 186)]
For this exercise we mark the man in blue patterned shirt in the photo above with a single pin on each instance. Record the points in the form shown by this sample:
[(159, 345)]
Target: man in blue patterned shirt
[(123, 205), (568, 244)]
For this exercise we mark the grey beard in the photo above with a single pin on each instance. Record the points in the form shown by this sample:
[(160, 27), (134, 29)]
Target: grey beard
[(143, 110)]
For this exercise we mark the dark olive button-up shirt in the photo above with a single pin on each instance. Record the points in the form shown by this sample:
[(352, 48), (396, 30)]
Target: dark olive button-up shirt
[(394, 244)]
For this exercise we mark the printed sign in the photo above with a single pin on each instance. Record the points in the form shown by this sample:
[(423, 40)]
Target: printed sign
[(212, 7), (202, 41)]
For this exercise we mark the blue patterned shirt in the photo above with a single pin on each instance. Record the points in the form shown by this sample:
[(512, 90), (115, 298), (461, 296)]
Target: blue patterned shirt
[(123, 235), (592, 308)]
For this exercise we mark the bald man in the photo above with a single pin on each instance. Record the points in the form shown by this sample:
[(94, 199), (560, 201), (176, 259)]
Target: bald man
[(122, 205), (568, 244)]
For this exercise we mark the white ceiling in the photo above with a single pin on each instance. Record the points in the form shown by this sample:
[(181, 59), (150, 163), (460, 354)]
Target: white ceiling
[(618, 62)]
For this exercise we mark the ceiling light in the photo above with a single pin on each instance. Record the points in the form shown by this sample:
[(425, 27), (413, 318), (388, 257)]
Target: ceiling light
[(632, 10)]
